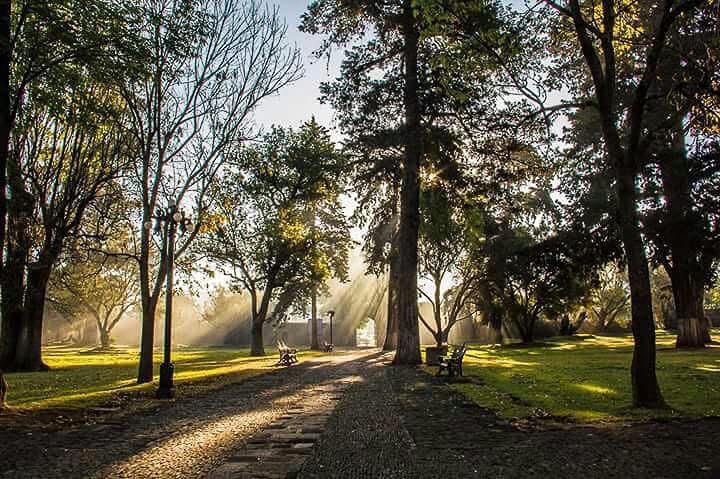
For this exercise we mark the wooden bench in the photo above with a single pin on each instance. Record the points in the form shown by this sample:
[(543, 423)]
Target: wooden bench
[(453, 364), (288, 356)]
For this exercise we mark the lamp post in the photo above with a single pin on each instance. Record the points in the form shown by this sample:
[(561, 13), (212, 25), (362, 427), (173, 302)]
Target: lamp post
[(331, 313), (171, 218)]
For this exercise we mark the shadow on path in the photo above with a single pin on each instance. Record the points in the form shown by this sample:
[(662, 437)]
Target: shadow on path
[(183, 439)]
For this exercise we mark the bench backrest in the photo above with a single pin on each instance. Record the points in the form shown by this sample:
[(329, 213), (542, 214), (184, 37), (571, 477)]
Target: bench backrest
[(459, 352)]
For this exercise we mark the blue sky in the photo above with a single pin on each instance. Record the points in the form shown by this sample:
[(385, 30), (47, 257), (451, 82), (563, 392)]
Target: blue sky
[(297, 102)]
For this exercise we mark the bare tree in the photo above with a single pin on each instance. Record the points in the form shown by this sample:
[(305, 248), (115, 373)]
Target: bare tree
[(212, 62)]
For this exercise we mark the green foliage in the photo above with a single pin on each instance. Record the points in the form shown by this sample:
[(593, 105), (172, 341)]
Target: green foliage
[(278, 225)]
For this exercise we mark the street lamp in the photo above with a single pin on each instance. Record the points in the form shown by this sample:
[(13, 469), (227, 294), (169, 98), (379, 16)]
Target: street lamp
[(171, 218), (331, 313)]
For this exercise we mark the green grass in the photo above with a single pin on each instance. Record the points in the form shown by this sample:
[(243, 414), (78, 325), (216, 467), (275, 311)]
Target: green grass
[(587, 378), (80, 377)]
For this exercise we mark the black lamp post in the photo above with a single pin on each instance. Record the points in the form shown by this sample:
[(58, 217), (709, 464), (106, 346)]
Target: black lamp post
[(331, 313), (171, 218)]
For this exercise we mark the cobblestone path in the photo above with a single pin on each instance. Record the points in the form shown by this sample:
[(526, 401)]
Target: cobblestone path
[(190, 438), (402, 423), (352, 416)]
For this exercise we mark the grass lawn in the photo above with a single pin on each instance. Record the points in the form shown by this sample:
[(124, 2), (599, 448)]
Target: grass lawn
[(587, 378), (80, 377)]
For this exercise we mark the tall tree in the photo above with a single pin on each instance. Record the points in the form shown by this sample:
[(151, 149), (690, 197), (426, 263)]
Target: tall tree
[(211, 63), (89, 43), (600, 33), (65, 164), (390, 76)]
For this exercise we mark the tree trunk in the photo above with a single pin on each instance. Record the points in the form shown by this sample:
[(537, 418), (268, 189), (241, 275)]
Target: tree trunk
[(391, 334), (314, 344), (684, 240), (5, 126), (3, 391), (437, 315), (692, 328), (257, 346), (28, 356), (104, 338), (149, 300), (527, 331), (408, 347), (13, 277), (147, 341), (646, 392)]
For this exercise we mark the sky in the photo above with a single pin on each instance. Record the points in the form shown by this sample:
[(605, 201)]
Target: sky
[(297, 102)]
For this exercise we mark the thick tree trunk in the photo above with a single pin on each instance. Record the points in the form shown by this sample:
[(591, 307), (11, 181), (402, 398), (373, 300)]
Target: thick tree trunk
[(257, 346), (684, 239), (527, 331), (314, 344), (149, 300), (13, 279), (13, 276), (391, 333), (28, 356), (147, 341), (692, 327), (408, 347), (104, 338), (646, 392)]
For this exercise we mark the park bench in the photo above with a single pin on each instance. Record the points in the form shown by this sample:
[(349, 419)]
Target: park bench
[(453, 363), (328, 347), (288, 356)]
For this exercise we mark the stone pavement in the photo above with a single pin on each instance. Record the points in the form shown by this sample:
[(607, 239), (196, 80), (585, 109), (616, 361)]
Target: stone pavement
[(179, 439), (401, 422), (351, 415), (282, 446)]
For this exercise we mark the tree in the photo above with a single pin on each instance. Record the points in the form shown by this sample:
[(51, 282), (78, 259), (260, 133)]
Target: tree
[(681, 228), (64, 164), (211, 63), (105, 288), (530, 278), (279, 229), (397, 35), (38, 109), (394, 76), (446, 238), (599, 34), (610, 300)]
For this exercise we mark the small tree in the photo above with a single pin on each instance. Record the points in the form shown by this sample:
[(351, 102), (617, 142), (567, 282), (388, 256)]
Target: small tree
[(105, 288), (610, 300), (445, 240), (533, 278)]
